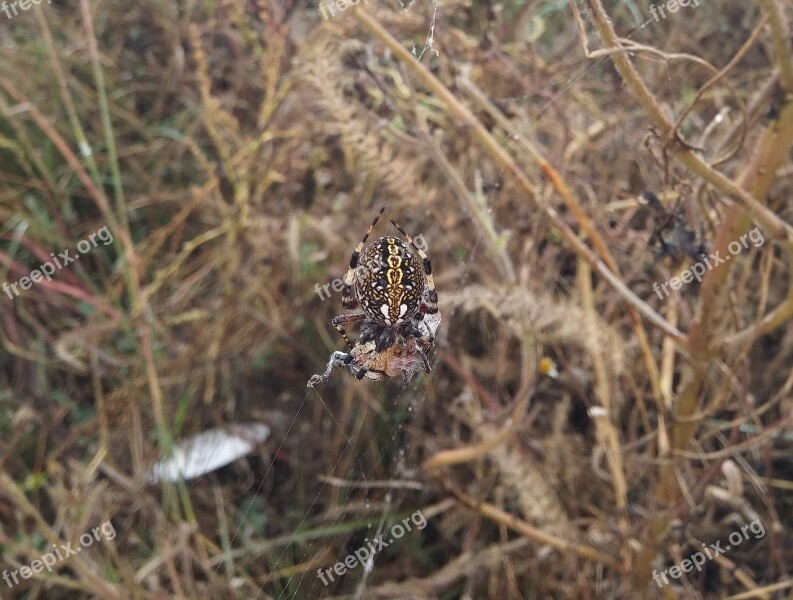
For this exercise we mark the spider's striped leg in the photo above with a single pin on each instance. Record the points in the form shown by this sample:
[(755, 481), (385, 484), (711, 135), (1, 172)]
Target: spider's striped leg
[(431, 306), (336, 360), (347, 301), (340, 320)]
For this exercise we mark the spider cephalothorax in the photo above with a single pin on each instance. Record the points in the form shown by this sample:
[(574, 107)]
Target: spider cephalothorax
[(390, 280)]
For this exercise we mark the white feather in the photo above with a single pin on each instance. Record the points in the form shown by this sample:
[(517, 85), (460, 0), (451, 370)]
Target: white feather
[(208, 451)]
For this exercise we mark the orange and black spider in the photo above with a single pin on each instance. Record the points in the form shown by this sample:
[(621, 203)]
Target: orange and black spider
[(391, 282)]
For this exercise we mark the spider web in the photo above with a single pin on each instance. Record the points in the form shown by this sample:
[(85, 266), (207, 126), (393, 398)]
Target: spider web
[(397, 486), (356, 578), (392, 499)]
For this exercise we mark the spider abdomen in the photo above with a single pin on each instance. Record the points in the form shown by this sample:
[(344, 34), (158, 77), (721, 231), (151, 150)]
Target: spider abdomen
[(389, 281)]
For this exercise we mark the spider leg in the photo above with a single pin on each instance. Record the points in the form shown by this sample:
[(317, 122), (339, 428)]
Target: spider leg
[(347, 299), (426, 366), (340, 320), (413, 366), (336, 360), (431, 306), (358, 370)]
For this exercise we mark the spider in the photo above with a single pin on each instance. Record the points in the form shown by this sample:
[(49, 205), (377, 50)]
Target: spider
[(394, 288)]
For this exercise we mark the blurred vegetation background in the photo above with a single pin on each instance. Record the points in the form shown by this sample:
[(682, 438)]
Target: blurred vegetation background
[(578, 432)]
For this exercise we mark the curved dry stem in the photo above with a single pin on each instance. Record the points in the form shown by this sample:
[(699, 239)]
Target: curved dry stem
[(718, 77), (780, 37), (508, 520)]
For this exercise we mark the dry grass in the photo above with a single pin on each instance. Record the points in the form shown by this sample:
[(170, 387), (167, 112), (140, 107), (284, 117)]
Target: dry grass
[(237, 151)]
